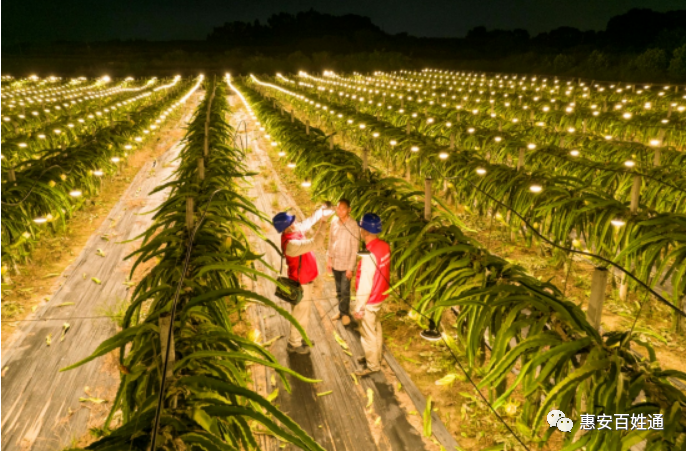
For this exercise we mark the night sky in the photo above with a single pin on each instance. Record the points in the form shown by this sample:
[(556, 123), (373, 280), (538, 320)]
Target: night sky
[(93, 20)]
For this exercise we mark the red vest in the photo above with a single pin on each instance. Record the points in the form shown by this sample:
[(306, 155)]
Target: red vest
[(308, 266), (382, 276)]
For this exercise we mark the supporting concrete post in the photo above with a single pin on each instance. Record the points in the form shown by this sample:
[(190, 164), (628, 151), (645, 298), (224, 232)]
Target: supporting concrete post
[(635, 194), (681, 320), (201, 169), (365, 158), (165, 322), (452, 141), (190, 213), (427, 199), (521, 161), (307, 127), (595, 304)]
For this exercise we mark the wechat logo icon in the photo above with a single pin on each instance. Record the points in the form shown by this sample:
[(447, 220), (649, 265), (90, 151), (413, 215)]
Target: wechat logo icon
[(565, 425), (557, 418)]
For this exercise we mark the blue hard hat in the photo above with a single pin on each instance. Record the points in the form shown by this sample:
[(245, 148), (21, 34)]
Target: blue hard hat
[(371, 223), (282, 221)]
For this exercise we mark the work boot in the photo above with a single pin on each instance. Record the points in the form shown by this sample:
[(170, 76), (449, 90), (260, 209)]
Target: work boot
[(365, 372), (302, 350)]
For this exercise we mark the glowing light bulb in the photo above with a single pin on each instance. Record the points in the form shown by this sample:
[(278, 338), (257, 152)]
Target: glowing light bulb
[(75, 193), (629, 163), (574, 153), (536, 188), (480, 171), (618, 223)]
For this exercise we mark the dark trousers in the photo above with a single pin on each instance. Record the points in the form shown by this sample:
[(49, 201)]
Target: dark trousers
[(342, 292)]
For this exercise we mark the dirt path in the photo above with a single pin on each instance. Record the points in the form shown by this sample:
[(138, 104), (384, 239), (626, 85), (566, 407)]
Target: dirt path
[(41, 407), (335, 411)]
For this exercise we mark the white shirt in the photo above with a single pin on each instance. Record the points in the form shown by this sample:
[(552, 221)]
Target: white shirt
[(364, 289), (297, 248)]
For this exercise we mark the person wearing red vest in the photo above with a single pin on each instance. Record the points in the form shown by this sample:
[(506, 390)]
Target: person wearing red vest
[(372, 286), (302, 266)]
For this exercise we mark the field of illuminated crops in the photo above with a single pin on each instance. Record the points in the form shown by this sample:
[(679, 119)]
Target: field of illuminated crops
[(484, 183)]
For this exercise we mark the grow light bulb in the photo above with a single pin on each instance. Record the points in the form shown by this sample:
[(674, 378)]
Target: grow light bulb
[(291, 165), (307, 184), (574, 153), (282, 154), (443, 155), (115, 159), (531, 146), (375, 134), (498, 139), (274, 144), (75, 193), (618, 223), (414, 149), (654, 142), (22, 145), (40, 220), (536, 188), (98, 173), (480, 171), (629, 163), (393, 142)]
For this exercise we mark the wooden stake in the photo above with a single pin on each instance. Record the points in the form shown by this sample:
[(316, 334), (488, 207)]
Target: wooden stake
[(365, 154), (452, 141), (427, 199), (307, 127), (595, 304), (292, 116), (409, 128)]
